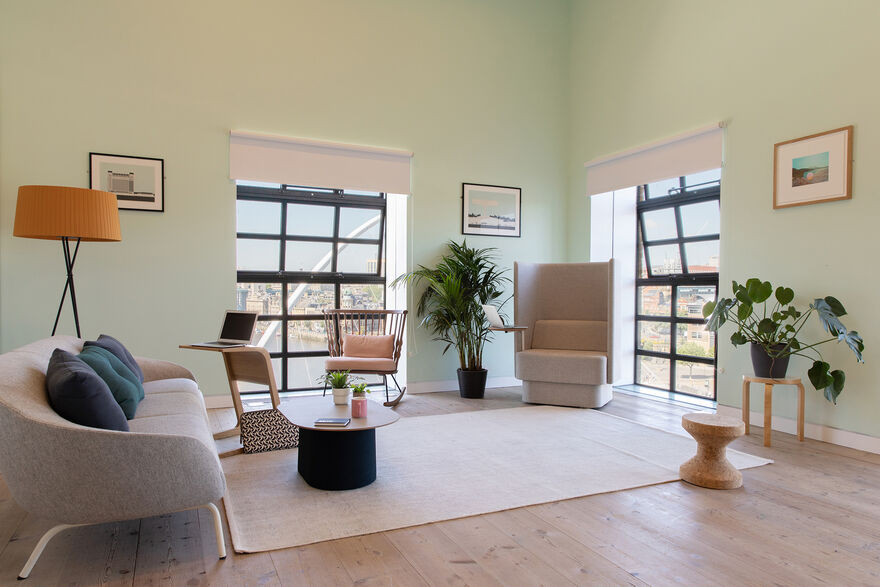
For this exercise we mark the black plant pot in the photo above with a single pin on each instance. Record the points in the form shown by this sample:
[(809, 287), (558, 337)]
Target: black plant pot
[(472, 384), (765, 366)]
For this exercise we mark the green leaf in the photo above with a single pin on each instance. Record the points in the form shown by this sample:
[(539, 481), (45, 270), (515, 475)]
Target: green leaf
[(759, 291), (744, 311), (794, 344), (836, 387), (737, 338), (719, 314), (835, 306), (784, 295), (819, 376), (854, 341), (767, 326), (830, 322), (789, 328), (708, 308), (742, 295)]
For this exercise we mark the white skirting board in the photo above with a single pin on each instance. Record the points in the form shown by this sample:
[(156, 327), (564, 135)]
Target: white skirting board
[(815, 431), (452, 384), (225, 400)]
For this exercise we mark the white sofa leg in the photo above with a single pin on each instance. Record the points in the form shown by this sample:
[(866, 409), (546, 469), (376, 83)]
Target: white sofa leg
[(38, 549), (218, 530)]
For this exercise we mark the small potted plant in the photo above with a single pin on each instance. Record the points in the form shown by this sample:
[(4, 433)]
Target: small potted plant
[(359, 393), (773, 331), (339, 382)]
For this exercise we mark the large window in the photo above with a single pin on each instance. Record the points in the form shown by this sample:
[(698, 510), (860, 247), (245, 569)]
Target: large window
[(677, 272), (300, 251)]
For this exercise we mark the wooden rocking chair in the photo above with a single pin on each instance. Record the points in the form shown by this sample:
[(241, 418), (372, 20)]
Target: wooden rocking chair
[(373, 345)]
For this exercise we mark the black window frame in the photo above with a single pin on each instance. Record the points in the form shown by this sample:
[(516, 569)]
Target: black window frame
[(336, 199), (675, 199)]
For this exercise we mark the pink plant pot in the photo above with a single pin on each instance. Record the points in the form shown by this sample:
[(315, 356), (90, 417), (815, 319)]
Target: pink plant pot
[(358, 407)]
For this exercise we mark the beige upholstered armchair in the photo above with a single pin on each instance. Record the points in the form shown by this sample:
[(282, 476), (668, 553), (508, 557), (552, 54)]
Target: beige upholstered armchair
[(568, 354)]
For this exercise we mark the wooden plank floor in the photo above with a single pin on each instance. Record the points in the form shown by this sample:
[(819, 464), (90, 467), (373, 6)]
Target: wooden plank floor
[(813, 517)]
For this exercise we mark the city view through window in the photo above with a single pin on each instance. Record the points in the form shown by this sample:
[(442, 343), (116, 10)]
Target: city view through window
[(678, 249), (301, 251)]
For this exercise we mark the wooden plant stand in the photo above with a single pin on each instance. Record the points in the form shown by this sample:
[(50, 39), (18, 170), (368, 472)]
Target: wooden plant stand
[(768, 403)]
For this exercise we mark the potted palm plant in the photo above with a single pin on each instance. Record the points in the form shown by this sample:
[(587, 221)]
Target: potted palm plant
[(450, 307), (773, 331)]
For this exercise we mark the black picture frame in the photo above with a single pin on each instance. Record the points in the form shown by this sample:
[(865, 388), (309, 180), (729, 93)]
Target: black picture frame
[(477, 203), (123, 175)]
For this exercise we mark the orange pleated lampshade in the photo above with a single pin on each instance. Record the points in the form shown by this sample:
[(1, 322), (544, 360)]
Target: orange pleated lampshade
[(52, 212)]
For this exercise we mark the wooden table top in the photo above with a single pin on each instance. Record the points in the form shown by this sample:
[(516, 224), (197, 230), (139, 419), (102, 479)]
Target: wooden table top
[(305, 410)]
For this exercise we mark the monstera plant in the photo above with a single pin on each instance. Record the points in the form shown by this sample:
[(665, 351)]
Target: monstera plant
[(767, 319)]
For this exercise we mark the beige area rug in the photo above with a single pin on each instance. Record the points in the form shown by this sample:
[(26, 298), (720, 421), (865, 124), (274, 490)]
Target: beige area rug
[(434, 468)]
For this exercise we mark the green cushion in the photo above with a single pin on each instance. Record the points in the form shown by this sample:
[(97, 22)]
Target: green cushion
[(125, 386)]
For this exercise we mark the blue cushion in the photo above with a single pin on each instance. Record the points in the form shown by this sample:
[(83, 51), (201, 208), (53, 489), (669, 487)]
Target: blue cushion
[(117, 348), (126, 388), (79, 395)]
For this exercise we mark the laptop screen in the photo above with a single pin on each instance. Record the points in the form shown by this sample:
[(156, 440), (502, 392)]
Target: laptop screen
[(238, 326)]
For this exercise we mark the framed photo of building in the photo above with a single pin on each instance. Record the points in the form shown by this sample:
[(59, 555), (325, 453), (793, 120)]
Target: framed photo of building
[(490, 210), (138, 182), (813, 169)]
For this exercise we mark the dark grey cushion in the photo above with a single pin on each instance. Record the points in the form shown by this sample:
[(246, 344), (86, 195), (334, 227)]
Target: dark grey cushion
[(117, 348), (78, 394)]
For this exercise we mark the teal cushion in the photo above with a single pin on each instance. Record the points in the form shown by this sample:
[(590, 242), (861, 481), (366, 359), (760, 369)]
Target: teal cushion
[(125, 386)]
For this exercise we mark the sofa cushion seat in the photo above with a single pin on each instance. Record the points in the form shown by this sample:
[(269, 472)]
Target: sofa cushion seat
[(359, 364), (562, 366), (194, 425), (171, 402), (171, 386)]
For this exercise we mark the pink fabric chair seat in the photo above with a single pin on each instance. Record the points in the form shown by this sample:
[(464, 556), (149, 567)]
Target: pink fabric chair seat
[(356, 364)]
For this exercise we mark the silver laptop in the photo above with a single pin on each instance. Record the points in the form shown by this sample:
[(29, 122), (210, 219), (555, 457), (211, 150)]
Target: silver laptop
[(492, 316), (238, 330)]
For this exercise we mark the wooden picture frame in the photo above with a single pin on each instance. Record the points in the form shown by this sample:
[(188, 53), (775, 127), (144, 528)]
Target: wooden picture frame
[(491, 210), (138, 182), (813, 169)]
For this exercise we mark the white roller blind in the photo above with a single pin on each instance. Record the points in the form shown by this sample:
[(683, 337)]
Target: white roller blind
[(307, 162), (687, 153)]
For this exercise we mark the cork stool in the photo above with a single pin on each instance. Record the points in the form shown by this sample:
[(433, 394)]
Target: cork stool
[(710, 467)]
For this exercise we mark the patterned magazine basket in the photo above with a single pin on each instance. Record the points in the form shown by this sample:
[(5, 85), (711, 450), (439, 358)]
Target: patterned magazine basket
[(265, 430)]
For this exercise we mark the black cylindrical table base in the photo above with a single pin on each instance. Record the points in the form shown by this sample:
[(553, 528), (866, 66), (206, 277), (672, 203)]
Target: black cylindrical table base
[(337, 459)]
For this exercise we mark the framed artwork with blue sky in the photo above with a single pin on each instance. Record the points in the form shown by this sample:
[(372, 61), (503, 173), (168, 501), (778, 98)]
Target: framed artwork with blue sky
[(490, 210), (813, 169)]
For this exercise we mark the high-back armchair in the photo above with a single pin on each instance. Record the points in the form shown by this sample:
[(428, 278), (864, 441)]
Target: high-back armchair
[(568, 356), (366, 342)]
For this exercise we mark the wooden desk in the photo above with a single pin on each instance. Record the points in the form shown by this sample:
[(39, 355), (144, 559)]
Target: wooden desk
[(236, 398), (768, 403), (509, 328)]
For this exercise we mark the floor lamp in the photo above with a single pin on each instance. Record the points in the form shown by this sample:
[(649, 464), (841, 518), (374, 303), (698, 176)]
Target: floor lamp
[(66, 214)]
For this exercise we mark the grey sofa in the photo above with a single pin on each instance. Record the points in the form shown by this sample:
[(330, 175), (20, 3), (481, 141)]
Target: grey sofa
[(76, 475), (568, 356)]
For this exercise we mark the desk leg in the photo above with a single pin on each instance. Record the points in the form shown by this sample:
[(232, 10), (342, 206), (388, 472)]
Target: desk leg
[(800, 422), (768, 412), (745, 403)]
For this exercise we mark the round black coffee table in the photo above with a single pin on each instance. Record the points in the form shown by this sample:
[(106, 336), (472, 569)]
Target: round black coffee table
[(336, 458)]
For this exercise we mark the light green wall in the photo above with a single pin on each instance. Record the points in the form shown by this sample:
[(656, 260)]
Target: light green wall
[(642, 70), (477, 90)]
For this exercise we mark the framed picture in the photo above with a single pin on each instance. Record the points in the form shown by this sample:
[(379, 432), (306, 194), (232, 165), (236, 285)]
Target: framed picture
[(138, 182), (813, 169), (490, 210)]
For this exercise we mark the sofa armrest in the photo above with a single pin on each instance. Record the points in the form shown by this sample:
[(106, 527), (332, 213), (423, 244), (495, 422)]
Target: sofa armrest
[(155, 369), (79, 475)]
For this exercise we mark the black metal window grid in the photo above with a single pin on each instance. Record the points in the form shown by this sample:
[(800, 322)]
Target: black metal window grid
[(333, 275), (674, 283)]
